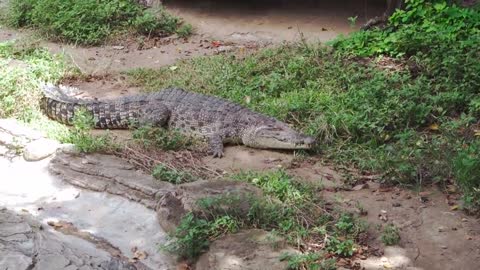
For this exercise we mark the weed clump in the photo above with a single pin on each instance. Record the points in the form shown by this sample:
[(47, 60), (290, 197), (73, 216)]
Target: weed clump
[(83, 123), (163, 173), (191, 237), (299, 221), (185, 30), (308, 261), (162, 138), (89, 22), (277, 184), (390, 235)]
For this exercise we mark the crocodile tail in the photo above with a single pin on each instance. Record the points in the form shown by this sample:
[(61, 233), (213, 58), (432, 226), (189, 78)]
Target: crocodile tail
[(58, 103), (62, 94)]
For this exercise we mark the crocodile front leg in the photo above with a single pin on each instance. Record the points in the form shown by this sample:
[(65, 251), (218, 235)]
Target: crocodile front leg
[(216, 146)]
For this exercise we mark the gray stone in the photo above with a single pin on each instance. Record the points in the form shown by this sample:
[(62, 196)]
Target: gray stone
[(41, 249), (14, 136), (40, 149), (17, 129), (53, 262), (68, 148)]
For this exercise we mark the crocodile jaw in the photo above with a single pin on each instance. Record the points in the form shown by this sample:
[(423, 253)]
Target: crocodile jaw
[(269, 143), (278, 136)]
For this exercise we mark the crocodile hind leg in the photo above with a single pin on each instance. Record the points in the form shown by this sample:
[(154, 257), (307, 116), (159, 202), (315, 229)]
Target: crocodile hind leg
[(215, 144), (155, 115)]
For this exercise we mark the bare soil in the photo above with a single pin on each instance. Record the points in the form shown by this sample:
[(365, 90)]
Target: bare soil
[(274, 21), (434, 233)]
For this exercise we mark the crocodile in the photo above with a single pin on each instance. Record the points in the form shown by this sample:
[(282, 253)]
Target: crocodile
[(213, 119)]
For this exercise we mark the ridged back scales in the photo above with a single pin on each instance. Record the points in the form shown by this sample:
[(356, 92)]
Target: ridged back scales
[(189, 112)]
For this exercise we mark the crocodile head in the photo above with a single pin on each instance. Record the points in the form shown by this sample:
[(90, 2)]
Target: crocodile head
[(276, 135)]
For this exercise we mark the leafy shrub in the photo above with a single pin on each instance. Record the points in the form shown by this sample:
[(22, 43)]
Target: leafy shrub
[(163, 173), (442, 39), (346, 224), (390, 235), (444, 43), (157, 22), (190, 238), (342, 248), (89, 21), (223, 225)]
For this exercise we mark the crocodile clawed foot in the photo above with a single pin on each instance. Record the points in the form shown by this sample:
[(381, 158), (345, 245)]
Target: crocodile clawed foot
[(217, 153), (216, 146)]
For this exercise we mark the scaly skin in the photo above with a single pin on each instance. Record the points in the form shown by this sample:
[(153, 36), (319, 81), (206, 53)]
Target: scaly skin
[(214, 119)]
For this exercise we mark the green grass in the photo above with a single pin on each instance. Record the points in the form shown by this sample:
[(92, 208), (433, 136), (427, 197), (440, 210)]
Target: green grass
[(23, 68), (409, 123), (90, 22)]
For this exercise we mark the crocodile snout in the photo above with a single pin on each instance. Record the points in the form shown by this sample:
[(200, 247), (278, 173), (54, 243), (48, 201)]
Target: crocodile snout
[(309, 141)]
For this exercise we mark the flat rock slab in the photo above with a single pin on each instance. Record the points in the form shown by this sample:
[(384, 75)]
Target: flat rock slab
[(246, 250), (29, 189), (26, 245), (16, 138), (107, 173), (40, 149)]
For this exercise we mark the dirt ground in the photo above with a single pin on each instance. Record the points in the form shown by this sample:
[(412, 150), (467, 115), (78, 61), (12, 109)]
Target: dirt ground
[(435, 235)]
